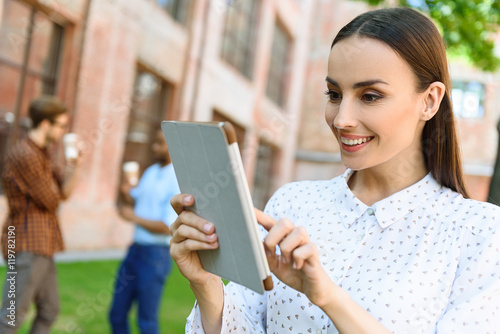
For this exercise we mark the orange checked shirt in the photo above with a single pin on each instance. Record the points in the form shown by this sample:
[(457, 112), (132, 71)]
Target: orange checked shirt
[(33, 189)]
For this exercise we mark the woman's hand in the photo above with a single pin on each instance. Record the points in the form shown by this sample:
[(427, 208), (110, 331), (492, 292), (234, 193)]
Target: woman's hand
[(298, 265), (190, 233)]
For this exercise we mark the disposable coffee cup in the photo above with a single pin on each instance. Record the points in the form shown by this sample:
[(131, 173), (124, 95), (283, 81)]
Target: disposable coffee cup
[(70, 150), (131, 172)]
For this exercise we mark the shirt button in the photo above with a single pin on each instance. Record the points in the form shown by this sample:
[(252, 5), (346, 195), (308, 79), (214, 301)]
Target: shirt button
[(371, 212), (360, 237), (318, 331), (336, 279)]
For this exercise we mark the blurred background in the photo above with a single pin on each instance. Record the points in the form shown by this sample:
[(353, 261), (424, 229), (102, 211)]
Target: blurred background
[(123, 66)]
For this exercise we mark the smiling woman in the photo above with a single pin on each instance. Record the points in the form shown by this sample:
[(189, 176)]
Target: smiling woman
[(394, 244), (377, 112), (414, 54)]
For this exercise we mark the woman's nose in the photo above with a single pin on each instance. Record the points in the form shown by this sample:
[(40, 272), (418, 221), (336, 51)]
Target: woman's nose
[(346, 115)]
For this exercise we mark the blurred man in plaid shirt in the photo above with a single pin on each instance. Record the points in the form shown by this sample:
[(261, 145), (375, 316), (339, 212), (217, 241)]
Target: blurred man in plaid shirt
[(34, 189)]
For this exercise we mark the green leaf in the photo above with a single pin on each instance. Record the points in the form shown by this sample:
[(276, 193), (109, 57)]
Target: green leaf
[(466, 25)]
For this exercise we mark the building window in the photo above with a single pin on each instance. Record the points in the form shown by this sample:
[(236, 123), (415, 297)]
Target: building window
[(238, 40), (264, 170), (149, 104), (30, 55), (280, 57), (178, 9), (468, 99)]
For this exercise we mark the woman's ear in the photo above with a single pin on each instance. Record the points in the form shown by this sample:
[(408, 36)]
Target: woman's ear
[(432, 100)]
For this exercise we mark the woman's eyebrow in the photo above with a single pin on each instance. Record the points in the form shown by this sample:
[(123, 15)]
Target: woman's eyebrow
[(333, 82), (369, 83), (358, 84)]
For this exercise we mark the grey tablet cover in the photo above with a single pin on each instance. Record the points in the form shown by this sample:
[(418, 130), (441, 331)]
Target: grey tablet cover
[(201, 159)]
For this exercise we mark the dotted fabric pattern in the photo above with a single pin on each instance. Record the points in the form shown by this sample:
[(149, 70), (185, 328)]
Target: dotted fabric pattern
[(424, 260)]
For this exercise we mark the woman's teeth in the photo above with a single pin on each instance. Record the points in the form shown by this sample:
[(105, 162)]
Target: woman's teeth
[(352, 142)]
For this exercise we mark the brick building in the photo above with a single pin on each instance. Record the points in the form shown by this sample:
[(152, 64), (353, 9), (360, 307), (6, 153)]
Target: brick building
[(123, 66)]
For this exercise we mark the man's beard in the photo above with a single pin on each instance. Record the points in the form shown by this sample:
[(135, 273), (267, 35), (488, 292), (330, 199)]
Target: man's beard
[(49, 140)]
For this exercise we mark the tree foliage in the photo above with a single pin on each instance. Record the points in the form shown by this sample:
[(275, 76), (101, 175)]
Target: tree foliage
[(467, 26)]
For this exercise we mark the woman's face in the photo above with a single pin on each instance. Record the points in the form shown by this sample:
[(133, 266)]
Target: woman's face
[(373, 108)]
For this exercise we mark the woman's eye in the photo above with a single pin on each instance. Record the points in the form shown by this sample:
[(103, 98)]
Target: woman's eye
[(369, 98), (333, 95)]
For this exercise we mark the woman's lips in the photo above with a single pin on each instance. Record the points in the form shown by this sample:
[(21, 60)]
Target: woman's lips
[(354, 143)]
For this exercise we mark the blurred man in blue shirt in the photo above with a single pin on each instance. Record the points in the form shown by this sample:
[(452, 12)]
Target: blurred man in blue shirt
[(143, 273)]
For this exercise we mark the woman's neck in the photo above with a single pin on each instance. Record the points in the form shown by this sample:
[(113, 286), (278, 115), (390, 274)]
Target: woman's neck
[(374, 184)]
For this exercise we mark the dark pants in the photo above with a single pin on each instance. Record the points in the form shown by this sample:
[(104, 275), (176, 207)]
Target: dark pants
[(35, 280), (140, 279)]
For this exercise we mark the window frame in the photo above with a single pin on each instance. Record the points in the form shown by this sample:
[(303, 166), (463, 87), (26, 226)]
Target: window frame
[(238, 51), (460, 90), (177, 9), (277, 82), (162, 107), (263, 186)]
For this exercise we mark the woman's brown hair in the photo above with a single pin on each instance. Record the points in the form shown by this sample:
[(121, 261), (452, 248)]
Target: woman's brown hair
[(417, 40)]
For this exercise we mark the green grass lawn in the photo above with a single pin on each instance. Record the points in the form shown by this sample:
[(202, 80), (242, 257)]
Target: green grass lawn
[(86, 290)]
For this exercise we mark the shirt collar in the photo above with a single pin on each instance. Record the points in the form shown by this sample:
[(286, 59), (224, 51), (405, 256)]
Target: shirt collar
[(397, 206), (349, 208), (34, 145), (387, 211)]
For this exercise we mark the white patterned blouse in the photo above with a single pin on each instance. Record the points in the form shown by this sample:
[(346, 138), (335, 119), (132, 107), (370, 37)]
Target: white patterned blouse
[(424, 260)]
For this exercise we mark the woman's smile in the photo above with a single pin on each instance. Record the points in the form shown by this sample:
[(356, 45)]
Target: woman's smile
[(354, 144)]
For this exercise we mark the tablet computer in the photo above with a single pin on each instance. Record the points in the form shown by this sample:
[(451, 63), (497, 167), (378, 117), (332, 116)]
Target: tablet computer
[(208, 166)]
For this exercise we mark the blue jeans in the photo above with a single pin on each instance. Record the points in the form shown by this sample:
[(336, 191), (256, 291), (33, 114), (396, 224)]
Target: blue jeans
[(140, 279)]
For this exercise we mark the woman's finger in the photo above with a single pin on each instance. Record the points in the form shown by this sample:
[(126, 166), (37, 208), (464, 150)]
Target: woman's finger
[(191, 219), (277, 233), (266, 221), (184, 232), (190, 245), (272, 258), (302, 254), (295, 239), (180, 201)]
